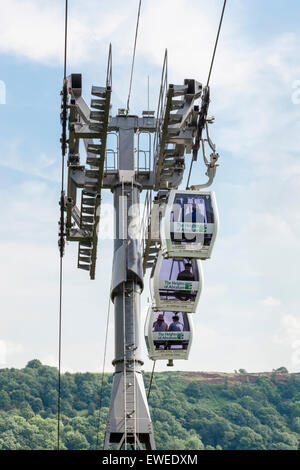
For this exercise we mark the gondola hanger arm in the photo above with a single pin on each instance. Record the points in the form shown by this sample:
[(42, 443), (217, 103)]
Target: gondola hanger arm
[(211, 172), (211, 165)]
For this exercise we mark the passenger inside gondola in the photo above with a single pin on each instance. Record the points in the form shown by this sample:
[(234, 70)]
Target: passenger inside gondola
[(192, 213), (176, 325), (174, 322), (186, 275), (160, 324), (172, 270)]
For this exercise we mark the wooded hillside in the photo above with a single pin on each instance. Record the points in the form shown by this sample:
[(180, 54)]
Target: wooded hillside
[(190, 410)]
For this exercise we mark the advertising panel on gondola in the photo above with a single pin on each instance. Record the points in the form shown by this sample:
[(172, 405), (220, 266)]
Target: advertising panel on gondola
[(189, 226), (176, 284), (168, 334)]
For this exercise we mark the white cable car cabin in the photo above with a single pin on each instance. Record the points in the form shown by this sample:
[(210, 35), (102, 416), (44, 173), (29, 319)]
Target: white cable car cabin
[(168, 335), (190, 224), (176, 284)]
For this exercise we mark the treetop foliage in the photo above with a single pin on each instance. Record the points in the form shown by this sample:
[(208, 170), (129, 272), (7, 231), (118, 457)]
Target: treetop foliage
[(188, 412)]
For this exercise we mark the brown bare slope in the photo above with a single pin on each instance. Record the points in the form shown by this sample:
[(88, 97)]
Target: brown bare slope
[(233, 378)]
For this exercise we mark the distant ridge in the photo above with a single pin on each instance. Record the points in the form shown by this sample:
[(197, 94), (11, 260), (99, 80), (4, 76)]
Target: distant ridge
[(233, 378)]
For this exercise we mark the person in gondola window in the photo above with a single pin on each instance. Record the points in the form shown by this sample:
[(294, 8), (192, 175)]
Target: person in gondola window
[(195, 215), (192, 216), (186, 275), (176, 325), (160, 324)]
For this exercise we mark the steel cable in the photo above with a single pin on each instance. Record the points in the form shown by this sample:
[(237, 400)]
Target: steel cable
[(208, 78), (133, 57), (102, 378), (61, 235), (151, 379), (216, 43)]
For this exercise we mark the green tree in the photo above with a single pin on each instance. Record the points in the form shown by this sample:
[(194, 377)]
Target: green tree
[(4, 400), (194, 443), (34, 364), (187, 412), (74, 440), (249, 439), (36, 405), (282, 370)]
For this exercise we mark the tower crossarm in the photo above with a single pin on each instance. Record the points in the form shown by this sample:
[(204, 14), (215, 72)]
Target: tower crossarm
[(175, 132), (89, 124)]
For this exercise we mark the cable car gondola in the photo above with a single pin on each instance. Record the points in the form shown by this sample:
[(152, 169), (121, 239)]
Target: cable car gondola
[(176, 284), (189, 226), (168, 335)]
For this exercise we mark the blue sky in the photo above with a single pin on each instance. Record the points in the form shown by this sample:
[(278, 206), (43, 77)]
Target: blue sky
[(248, 316)]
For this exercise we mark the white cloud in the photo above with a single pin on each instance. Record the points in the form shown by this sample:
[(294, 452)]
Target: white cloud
[(8, 348), (287, 336), (270, 302), (296, 353), (52, 360), (31, 211), (289, 330), (40, 165), (36, 31)]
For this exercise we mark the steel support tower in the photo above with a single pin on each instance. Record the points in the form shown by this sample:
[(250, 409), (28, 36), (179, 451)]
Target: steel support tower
[(136, 244), (129, 423)]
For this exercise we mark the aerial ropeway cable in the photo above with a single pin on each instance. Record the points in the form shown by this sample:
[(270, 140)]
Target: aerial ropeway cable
[(216, 43), (61, 240), (133, 55), (205, 101), (102, 377), (151, 380)]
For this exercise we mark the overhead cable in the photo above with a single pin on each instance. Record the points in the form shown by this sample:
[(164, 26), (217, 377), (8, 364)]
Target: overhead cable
[(151, 379), (205, 100), (102, 378), (133, 56), (216, 43), (61, 241)]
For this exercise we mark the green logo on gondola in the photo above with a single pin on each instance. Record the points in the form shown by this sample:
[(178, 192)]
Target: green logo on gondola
[(177, 285), (190, 227), (188, 286), (180, 336)]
